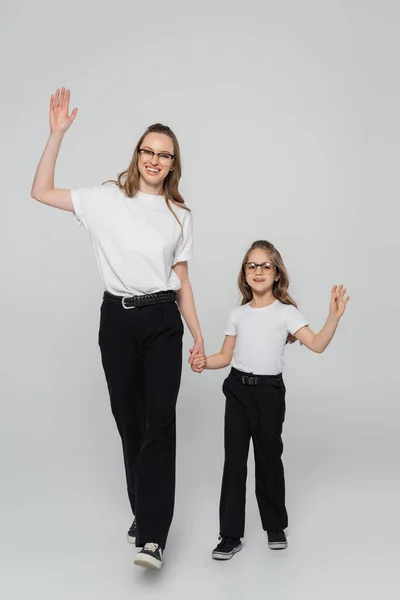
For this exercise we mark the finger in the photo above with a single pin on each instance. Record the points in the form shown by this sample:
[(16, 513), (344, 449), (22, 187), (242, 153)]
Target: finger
[(52, 102), (62, 97), (66, 100), (347, 299), (73, 114), (57, 99), (343, 292)]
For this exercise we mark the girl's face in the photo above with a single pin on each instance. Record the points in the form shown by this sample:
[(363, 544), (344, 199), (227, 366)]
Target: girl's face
[(260, 272), (156, 159)]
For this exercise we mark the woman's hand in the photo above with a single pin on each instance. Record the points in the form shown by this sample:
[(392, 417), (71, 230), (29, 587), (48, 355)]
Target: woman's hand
[(338, 301), (60, 120), (198, 347)]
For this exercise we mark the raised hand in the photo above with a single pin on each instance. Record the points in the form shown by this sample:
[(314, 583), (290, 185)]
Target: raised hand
[(60, 119), (338, 301)]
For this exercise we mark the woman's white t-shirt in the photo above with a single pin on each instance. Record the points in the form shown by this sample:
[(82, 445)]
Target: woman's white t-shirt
[(136, 240), (261, 335)]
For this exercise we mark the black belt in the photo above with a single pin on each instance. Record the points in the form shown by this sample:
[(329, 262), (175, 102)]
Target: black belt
[(139, 301), (251, 379)]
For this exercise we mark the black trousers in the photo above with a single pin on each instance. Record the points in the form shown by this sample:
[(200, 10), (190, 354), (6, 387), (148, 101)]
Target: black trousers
[(141, 350), (256, 412)]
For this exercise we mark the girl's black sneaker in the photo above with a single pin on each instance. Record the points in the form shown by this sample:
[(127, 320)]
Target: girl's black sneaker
[(277, 540), (226, 548)]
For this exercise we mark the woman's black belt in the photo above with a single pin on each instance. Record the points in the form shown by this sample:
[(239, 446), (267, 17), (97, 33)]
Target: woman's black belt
[(139, 301)]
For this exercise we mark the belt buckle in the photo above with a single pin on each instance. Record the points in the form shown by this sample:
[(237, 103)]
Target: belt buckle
[(243, 379), (123, 302), (251, 380)]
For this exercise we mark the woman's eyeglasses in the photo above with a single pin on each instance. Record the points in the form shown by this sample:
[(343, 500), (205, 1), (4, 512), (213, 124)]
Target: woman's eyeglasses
[(164, 158)]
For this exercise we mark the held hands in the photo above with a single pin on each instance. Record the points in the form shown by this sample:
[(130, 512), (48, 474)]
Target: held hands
[(338, 301), (196, 351), (60, 120), (199, 363)]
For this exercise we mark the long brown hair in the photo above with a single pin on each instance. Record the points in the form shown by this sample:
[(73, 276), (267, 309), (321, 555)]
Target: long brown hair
[(280, 288), (128, 181)]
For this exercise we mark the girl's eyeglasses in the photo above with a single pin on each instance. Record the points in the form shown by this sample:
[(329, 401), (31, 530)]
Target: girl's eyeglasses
[(165, 159), (251, 267)]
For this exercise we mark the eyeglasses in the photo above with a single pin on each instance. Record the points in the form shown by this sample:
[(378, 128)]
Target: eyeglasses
[(165, 158), (251, 267)]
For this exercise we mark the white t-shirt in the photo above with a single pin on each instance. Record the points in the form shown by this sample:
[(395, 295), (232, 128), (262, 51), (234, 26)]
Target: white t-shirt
[(261, 335), (136, 240)]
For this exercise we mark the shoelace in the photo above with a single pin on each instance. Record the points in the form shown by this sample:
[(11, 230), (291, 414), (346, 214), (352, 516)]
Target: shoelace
[(151, 547)]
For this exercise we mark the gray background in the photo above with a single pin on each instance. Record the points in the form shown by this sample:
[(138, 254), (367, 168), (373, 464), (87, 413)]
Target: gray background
[(287, 115)]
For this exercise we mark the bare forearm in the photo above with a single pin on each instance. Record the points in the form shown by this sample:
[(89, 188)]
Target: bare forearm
[(44, 177), (217, 361), (188, 310), (324, 337)]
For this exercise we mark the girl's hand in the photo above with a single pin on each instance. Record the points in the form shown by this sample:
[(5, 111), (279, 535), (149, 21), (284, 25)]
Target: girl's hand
[(199, 362), (60, 120), (338, 301)]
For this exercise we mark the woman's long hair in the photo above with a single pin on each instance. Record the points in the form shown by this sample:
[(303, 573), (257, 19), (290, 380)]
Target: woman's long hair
[(128, 181), (280, 288)]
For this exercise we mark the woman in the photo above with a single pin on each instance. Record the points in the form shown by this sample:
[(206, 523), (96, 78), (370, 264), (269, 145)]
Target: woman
[(141, 231)]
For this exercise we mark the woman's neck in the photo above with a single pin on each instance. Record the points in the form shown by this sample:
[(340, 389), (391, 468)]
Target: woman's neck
[(147, 188)]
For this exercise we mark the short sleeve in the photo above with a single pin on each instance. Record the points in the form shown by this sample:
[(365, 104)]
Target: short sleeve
[(83, 200), (231, 328), (294, 319), (184, 249)]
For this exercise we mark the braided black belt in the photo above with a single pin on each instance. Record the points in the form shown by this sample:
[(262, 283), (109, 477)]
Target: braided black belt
[(250, 379), (139, 301)]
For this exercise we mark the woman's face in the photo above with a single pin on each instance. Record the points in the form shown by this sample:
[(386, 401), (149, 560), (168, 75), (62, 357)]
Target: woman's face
[(155, 158)]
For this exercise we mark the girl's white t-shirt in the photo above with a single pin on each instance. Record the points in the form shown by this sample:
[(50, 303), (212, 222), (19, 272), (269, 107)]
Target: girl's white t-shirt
[(136, 240), (261, 335)]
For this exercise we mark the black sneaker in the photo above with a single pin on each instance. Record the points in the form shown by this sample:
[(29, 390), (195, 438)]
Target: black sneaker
[(277, 540), (226, 548), (131, 535), (150, 556)]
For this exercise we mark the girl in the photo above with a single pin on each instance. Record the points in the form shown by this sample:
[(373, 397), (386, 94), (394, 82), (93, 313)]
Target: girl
[(141, 231), (256, 335)]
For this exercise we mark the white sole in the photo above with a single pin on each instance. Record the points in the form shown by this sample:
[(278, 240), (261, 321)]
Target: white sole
[(278, 546), (147, 561), (131, 540), (224, 556)]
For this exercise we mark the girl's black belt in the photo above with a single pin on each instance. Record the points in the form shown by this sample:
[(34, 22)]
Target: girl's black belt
[(251, 379)]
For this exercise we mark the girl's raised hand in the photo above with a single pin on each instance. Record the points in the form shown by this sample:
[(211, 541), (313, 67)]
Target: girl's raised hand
[(338, 301), (60, 120)]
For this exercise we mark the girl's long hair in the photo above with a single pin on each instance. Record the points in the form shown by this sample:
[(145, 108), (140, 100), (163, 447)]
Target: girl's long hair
[(128, 181), (280, 288)]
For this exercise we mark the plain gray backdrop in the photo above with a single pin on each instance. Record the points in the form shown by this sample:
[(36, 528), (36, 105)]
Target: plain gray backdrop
[(287, 116)]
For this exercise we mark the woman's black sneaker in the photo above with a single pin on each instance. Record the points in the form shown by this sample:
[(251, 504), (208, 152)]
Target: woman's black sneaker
[(150, 556), (131, 535), (226, 548), (277, 540)]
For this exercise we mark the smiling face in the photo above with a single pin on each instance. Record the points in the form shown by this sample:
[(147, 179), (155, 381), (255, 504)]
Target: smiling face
[(155, 161), (261, 279)]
